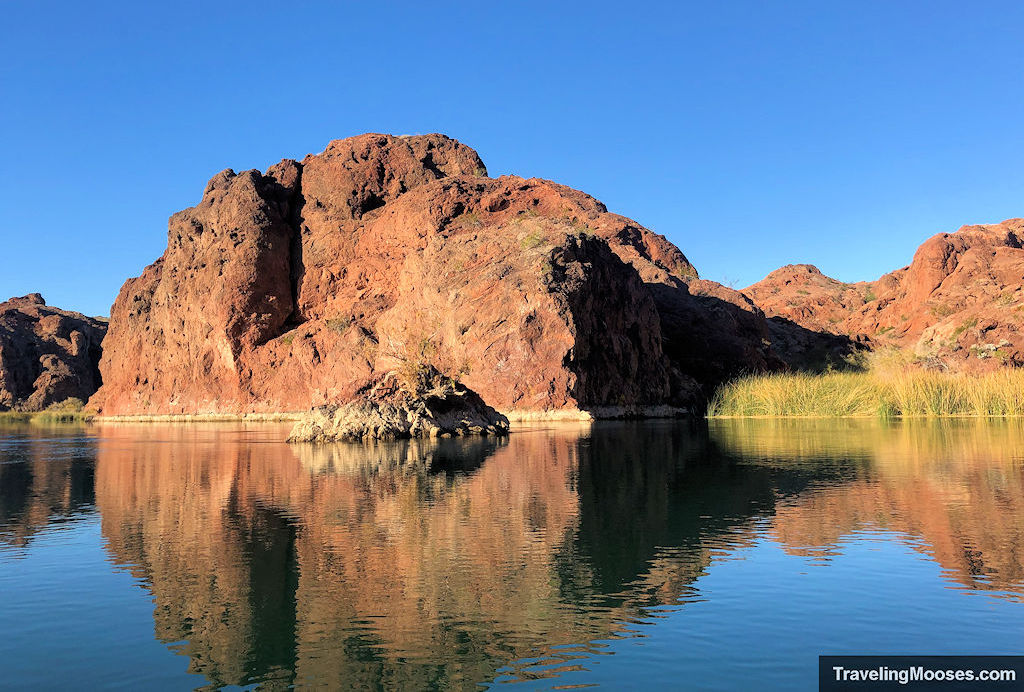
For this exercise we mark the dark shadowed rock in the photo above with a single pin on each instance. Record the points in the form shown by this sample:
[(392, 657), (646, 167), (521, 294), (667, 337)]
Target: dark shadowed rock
[(47, 355)]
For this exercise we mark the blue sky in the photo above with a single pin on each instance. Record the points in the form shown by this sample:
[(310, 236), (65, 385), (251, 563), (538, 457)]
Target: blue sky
[(752, 134)]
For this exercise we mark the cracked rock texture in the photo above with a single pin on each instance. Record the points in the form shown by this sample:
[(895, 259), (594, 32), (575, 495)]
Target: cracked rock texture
[(297, 286), (959, 305), (47, 355)]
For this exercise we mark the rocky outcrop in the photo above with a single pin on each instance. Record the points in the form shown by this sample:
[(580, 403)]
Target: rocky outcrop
[(296, 287), (959, 304), (47, 355), (422, 403)]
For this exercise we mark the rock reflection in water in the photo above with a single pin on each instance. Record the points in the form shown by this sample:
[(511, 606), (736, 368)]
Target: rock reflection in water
[(46, 477), (351, 563), (422, 564), (411, 563), (955, 488)]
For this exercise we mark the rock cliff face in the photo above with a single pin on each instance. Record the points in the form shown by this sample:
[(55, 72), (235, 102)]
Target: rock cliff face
[(296, 287), (959, 304), (47, 355)]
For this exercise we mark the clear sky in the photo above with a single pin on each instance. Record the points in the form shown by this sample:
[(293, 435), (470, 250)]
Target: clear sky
[(752, 134)]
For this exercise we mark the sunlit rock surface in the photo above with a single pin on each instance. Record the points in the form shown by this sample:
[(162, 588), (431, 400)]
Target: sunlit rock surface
[(959, 304), (422, 403), (294, 287)]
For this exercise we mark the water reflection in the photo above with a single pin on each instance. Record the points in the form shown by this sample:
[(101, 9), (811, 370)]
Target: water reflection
[(46, 477), (955, 488), (422, 564)]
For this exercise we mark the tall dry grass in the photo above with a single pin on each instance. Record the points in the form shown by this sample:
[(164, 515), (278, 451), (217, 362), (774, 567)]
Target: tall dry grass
[(884, 392), (68, 411)]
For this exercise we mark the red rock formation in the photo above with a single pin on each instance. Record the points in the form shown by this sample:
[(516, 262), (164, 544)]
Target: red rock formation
[(960, 302), (47, 355), (293, 288)]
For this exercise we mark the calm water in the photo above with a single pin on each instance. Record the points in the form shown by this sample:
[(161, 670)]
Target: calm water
[(622, 555)]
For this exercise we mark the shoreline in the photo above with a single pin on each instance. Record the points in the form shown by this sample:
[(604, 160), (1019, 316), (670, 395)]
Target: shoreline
[(898, 416), (281, 417), (514, 416)]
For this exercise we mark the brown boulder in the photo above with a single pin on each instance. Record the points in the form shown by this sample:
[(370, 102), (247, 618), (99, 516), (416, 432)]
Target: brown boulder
[(406, 404), (47, 355)]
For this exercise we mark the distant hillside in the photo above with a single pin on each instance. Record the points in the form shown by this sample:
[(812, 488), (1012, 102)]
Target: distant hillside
[(958, 305)]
